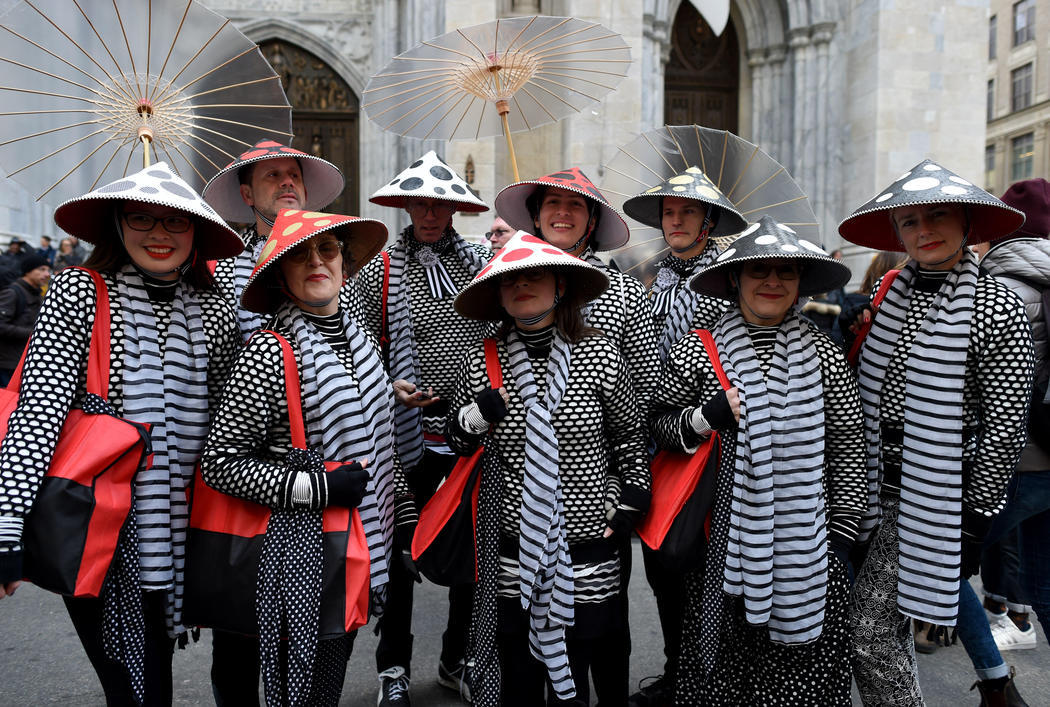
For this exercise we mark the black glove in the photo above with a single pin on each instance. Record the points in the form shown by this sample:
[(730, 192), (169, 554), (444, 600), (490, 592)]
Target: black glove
[(848, 318), (403, 547), (623, 521), (346, 485), (840, 548), (718, 413), (10, 566), (491, 405), (970, 556)]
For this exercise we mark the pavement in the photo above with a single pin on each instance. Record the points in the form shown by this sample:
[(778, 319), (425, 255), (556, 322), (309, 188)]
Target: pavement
[(42, 663)]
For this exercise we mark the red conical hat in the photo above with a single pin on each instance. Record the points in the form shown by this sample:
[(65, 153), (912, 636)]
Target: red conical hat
[(523, 251), (612, 231), (363, 239), (322, 181)]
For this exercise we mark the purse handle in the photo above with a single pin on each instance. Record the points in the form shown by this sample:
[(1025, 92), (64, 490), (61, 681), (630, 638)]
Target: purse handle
[(712, 352), (98, 348), (292, 390), (492, 364), (853, 357)]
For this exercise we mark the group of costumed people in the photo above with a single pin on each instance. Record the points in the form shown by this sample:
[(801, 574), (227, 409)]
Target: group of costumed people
[(896, 467)]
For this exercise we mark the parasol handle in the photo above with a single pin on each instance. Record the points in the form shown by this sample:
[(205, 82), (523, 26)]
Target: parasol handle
[(145, 131), (503, 108)]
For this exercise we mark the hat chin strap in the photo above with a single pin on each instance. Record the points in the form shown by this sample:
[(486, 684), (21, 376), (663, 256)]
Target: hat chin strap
[(705, 231), (259, 215), (530, 321)]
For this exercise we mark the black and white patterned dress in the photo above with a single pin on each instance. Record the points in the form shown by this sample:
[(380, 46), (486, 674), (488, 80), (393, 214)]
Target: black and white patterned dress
[(999, 362), (601, 441), (749, 668)]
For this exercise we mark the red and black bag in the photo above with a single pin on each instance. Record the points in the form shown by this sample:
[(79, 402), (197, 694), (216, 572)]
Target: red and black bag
[(679, 519), (225, 539), (71, 533), (444, 546)]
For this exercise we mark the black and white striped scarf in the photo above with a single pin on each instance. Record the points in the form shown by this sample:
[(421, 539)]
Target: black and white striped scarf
[(349, 418), (676, 302), (931, 465), (404, 361), (247, 321), (776, 555), (547, 583), (165, 386)]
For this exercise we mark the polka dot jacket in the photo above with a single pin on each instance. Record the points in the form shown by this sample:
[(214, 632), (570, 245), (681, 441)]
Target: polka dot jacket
[(442, 336), (689, 381), (55, 375), (250, 437), (999, 363), (601, 436)]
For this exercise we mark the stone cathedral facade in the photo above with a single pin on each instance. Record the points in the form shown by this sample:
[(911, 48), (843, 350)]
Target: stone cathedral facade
[(845, 93)]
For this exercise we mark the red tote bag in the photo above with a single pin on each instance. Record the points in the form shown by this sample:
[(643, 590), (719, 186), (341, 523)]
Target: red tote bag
[(224, 547), (444, 546), (71, 533), (683, 490)]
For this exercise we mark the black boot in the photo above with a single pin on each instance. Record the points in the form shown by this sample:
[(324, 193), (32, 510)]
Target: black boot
[(1001, 692)]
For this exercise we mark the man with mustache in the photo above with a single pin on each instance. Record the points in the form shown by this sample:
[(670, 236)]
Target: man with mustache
[(253, 189)]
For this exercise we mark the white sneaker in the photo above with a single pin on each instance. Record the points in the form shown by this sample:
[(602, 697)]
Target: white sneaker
[(1010, 638)]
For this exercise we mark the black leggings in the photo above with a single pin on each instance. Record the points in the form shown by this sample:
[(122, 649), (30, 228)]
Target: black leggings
[(86, 615)]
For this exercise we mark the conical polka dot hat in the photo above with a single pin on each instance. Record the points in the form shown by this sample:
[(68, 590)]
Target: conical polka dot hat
[(612, 231), (322, 180), (362, 238), (690, 184), (430, 177), (480, 298), (768, 240), (91, 217), (929, 183)]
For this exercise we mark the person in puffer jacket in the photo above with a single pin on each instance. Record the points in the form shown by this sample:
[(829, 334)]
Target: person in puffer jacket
[(1015, 569)]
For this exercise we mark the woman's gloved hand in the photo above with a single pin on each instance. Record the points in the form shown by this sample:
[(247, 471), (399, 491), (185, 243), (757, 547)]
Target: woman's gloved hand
[(346, 485)]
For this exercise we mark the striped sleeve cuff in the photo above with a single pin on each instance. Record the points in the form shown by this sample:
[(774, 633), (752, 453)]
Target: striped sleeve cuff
[(405, 512), (470, 419), (304, 489), (11, 532), (845, 526)]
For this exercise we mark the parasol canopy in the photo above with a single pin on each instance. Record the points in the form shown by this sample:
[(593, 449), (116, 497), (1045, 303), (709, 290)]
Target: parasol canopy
[(753, 181), (93, 91), (503, 76)]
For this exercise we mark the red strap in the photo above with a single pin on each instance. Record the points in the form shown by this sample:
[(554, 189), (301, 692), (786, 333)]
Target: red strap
[(854, 351), (291, 386), (492, 364), (211, 266), (712, 352), (884, 288), (383, 338), (98, 349)]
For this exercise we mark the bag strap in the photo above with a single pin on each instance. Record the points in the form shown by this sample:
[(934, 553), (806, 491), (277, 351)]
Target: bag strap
[(384, 338), (98, 348), (887, 280), (492, 364), (292, 391), (712, 352)]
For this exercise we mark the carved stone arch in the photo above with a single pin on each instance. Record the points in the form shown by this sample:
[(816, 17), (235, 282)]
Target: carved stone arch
[(262, 30), (763, 25)]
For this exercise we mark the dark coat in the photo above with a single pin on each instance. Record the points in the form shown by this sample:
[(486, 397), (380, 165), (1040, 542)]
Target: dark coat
[(18, 312)]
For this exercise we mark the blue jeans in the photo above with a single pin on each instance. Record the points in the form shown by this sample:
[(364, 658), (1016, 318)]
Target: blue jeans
[(976, 636), (1028, 510)]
